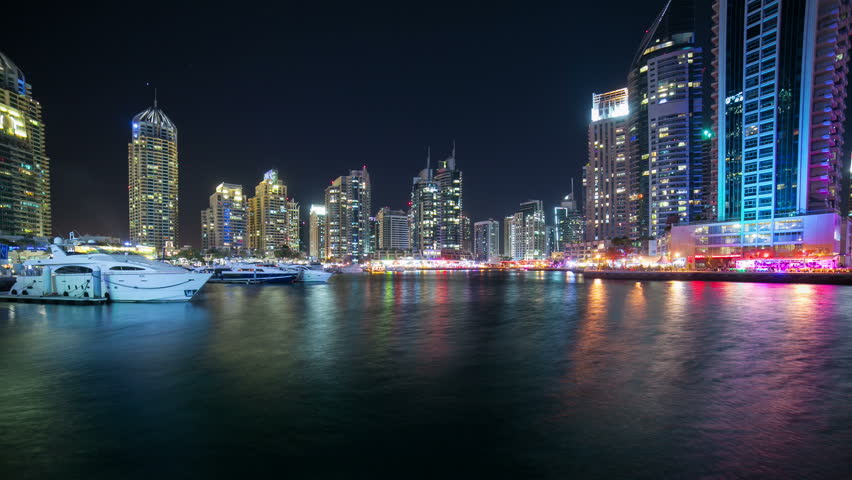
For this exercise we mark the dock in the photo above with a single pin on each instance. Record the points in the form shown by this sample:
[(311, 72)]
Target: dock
[(52, 300)]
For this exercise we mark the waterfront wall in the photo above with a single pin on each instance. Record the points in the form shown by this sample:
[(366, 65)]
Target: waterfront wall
[(754, 277)]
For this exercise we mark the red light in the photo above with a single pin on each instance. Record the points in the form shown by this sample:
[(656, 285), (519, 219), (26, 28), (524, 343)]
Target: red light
[(765, 255)]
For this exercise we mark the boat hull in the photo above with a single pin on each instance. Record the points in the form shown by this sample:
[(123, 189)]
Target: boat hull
[(314, 276), (117, 287), (250, 278)]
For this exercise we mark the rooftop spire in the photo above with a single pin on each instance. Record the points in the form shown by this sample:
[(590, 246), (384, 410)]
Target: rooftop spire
[(155, 98)]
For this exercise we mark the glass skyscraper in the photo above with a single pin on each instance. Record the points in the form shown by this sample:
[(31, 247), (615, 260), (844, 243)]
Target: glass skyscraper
[(781, 77), (530, 223), (450, 229), (569, 223), (665, 126), (423, 214), (24, 166), (348, 224), (436, 210)]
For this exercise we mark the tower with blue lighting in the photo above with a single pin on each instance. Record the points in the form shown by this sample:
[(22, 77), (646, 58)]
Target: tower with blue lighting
[(780, 77), (223, 223)]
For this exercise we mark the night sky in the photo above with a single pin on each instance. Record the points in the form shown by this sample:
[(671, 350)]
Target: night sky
[(315, 91)]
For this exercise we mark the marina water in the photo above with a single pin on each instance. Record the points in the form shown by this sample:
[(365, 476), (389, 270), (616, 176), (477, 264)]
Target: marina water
[(524, 375)]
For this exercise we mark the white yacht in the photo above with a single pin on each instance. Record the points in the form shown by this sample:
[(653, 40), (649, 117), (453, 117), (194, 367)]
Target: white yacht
[(352, 268), (313, 273), (98, 274)]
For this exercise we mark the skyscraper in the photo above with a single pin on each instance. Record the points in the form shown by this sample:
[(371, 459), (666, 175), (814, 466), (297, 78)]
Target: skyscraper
[(466, 236), (224, 221), (273, 218), (436, 209), (317, 232), (568, 222), (347, 203), (605, 177), (449, 180), (392, 229), (24, 166), (666, 120), (781, 77), (508, 249), (486, 240), (423, 215), (534, 233), (514, 236), (153, 179)]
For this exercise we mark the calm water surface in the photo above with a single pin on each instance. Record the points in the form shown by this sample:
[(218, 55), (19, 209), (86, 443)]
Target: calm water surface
[(523, 375)]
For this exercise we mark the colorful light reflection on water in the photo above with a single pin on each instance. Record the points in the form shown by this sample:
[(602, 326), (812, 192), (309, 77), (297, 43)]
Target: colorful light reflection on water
[(535, 374)]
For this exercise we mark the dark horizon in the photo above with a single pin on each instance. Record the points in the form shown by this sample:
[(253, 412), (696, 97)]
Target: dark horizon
[(315, 94)]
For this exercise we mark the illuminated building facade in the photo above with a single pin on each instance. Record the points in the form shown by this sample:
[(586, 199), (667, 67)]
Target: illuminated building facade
[(667, 154), (317, 232), (436, 210), (153, 180), (467, 236), (347, 203), (24, 166), (449, 180), (392, 229), (605, 177), (534, 234), (513, 236), (569, 223), (781, 78), (423, 215), (486, 240), (223, 223), (525, 235), (273, 218)]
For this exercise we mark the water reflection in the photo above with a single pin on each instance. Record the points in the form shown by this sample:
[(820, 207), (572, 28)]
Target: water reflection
[(536, 374)]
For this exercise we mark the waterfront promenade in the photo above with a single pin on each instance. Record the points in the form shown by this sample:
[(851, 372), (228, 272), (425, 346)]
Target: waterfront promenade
[(707, 276)]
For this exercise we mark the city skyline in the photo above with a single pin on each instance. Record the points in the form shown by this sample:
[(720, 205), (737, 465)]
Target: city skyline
[(495, 119)]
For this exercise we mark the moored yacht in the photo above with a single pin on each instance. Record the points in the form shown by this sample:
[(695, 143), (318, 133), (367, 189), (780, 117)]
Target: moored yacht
[(248, 273), (99, 274), (312, 273)]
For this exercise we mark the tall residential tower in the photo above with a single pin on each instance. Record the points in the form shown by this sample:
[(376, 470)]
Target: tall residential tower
[(223, 223), (486, 240), (153, 180), (317, 233), (24, 166), (667, 155), (273, 218), (347, 203), (605, 177)]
